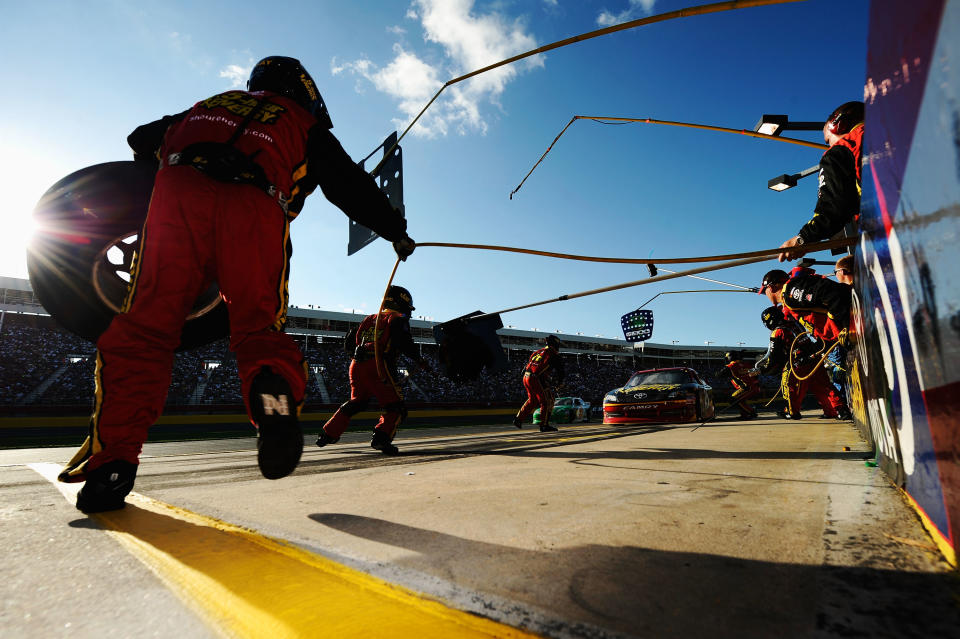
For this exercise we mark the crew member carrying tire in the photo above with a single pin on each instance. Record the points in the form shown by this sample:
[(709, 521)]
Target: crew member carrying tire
[(377, 343), (233, 171), (544, 366)]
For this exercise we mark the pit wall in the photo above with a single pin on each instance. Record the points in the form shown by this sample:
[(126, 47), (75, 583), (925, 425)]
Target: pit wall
[(905, 370)]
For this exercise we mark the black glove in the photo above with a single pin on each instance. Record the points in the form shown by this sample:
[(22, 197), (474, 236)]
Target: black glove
[(404, 248)]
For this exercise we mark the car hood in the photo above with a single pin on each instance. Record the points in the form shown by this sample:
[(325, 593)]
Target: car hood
[(650, 392)]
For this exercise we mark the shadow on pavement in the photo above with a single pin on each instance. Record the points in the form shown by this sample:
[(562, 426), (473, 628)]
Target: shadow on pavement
[(653, 593)]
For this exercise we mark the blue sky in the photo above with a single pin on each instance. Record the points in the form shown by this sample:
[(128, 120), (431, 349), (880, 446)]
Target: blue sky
[(78, 77)]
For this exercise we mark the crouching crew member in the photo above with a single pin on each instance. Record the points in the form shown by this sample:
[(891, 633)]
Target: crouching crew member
[(745, 380), (377, 343), (543, 367), (784, 335), (821, 306), (233, 171)]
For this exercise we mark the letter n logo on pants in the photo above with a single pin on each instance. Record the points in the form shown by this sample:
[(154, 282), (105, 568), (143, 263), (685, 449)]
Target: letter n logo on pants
[(273, 404)]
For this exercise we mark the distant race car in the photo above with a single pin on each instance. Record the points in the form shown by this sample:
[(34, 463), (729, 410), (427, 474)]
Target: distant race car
[(566, 410), (661, 395)]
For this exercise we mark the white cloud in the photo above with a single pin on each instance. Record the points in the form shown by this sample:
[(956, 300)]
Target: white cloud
[(468, 41), (396, 30), (644, 7), (550, 3), (179, 41), (236, 74)]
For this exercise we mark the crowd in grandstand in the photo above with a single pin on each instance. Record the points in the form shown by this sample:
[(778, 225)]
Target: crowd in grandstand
[(49, 366)]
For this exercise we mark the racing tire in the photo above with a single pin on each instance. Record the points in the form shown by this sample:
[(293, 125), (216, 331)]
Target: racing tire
[(87, 232)]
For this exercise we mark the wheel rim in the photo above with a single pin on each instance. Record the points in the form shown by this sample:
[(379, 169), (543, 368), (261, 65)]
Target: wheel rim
[(111, 275)]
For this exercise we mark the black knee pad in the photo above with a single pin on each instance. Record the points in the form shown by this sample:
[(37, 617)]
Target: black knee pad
[(351, 407), (397, 407)]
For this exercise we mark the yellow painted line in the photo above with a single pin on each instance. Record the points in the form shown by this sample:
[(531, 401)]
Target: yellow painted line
[(948, 551), (244, 584)]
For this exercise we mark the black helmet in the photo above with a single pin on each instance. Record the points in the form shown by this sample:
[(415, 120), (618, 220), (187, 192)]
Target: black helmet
[(398, 299), (846, 116), (771, 317), (552, 340), (732, 356), (773, 278), (287, 77)]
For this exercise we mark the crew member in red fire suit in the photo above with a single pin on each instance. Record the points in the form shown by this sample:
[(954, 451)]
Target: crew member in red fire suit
[(745, 380), (838, 194), (822, 306), (377, 343), (543, 368), (784, 339), (233, 171)]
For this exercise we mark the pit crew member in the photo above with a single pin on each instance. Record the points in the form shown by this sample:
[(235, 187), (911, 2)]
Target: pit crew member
[(787, 335), (543, 368), (822, 306), (233, 170), (838, 194), (745, 380), (376, 345)]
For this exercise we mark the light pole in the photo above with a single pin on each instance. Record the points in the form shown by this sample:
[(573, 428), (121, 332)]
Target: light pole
[(776, 124), (784, 182)]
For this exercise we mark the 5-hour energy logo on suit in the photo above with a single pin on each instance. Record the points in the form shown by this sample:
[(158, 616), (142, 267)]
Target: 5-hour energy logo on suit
[(240, 103)]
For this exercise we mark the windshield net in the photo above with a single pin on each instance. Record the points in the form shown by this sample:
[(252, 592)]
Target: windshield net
[(659, 377)]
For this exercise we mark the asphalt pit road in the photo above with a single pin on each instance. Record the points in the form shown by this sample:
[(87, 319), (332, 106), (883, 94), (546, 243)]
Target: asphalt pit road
[(660, 493)]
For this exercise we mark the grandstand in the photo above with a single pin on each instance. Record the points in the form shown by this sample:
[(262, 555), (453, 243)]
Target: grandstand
[(45, 368)]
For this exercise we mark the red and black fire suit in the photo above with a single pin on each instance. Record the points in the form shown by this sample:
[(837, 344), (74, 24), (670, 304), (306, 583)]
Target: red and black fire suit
[(821, 305), (391, 337), (838, 194), (747, 385), (233, 171), (543, 368), (776, 361)]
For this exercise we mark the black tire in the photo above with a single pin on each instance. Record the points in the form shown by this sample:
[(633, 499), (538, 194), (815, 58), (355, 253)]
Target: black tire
[(88, 227)]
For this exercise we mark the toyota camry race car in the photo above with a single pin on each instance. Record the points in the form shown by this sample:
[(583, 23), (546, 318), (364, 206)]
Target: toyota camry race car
[(566, 410), (662, 395)]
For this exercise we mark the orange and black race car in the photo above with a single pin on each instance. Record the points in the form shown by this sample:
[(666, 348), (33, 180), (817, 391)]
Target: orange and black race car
[(661, 395)]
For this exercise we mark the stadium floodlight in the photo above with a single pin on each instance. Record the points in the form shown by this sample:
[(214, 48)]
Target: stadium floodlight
[(777, 124), (784, 182)]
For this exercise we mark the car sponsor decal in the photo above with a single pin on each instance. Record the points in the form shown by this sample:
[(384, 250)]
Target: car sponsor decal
[(652, 387)]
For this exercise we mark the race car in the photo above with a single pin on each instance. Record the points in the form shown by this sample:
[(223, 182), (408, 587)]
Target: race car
[(660, 395), (566, 410)]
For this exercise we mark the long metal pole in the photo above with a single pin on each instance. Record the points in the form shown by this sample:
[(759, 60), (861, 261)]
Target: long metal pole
[(691, 125), (616, 287)]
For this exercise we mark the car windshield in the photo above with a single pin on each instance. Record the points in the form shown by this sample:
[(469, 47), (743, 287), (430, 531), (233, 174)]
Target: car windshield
[(659, 377), (564, 402)]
